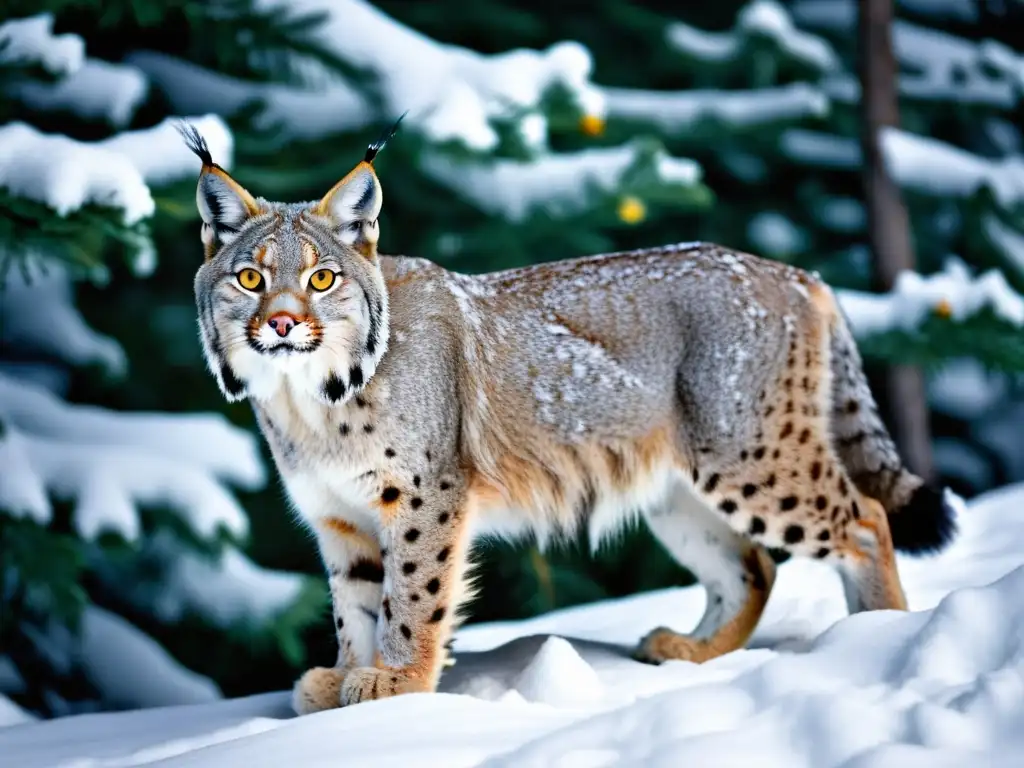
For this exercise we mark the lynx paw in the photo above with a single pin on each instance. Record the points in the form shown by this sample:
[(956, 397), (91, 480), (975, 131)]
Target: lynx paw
[(365, 683), (318, 689), (663, 644)]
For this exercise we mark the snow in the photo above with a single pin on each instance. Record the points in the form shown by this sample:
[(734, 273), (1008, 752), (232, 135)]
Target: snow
[(679, 111), (918, 163), (775, 235), (761, 18), (96, 90), (12, 714), (115, 656), (937, 686), (67, 175), (31, 42), (451, 93), (1009, 242), (559, 182), (111, 463), (914, 296), (229, 590)]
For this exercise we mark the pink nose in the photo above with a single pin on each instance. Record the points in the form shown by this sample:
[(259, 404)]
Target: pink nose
[(282, 322)]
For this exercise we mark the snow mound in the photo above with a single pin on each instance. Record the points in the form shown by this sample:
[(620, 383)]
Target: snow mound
[(939, 686)]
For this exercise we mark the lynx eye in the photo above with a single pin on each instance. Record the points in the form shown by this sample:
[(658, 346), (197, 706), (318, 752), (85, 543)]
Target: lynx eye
[(250, 279), (322, 279)]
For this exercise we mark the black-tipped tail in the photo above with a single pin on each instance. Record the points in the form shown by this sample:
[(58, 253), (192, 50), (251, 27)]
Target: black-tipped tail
[(925, 524)]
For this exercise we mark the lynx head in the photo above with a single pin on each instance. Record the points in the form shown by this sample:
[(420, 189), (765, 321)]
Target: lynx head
[(290, 293)]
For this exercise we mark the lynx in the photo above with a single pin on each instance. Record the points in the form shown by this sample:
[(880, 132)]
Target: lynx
[(410, 409)]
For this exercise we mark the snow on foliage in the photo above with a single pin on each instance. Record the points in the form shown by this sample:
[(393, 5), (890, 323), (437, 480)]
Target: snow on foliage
[(676, 112), (765, 19), (131, 670), (917, 163), (914, 297), (111, 463), (30, 42), (558, 183), (937, 686)]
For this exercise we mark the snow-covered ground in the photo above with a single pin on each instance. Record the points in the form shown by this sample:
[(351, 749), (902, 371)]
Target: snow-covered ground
[(940, 686)]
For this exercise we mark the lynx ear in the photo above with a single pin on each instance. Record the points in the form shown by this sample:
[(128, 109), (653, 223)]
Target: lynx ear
[(222, 202), (353, 205)]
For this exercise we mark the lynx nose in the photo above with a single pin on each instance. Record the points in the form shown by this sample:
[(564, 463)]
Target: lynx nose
[(282, 322)]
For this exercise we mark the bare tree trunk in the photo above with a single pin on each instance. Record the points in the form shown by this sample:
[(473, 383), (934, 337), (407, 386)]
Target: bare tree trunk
[(888, 222)]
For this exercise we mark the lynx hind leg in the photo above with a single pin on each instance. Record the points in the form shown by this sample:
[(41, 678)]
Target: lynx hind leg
[(787, 488), (737, 575)]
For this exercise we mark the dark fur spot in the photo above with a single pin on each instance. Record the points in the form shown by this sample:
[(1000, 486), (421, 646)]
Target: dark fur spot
[(344, 429), (805, 435), (445, 486), (365, 569), (416, 502), (389, 452), (408, 568), (442, 518), (709, 486), (788, 503), (335, 388), (433, 585), (728, 506), (743, 455), (757, 526), (843, 488), (416, 480), (339, 622), (387, 609), (427, 454), (368, 428), (824, 535), (360, 401), (822, 553), (789, 406), (815, 470), (769, 411), (793, 534), (770, 482), (788, 383), (414, 597), (836, 512), (443, 554), (232, 383), (390, 494), (852, 406), (437, 615), (820, 503), (749, 490), (406, 632), (855, 510), (383, 552), (759, 452), (696, 475), (776, 453), (787, 430), (412, 534), (355, 376)]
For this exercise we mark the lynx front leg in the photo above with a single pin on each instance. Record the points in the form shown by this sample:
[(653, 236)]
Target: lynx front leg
[(424, 540), (353, 562)]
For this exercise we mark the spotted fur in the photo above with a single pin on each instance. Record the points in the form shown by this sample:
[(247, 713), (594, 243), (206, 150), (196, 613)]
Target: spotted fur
[(411, 410)]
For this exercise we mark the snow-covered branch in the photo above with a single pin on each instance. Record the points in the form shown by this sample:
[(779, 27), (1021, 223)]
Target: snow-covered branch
[(918, 163), (30, 42), (96, 90), (678, 112), (111, 463), (556, 182), (953, 292), (761, 19)]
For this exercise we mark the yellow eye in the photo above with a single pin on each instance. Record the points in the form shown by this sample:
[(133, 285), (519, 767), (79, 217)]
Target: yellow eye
[(322, 279), (250, 279)]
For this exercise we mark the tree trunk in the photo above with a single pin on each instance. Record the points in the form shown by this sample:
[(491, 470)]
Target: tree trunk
[(888, 223)]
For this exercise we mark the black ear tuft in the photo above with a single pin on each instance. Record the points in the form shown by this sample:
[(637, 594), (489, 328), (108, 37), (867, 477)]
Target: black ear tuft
[(378, 145), (195, 141)]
